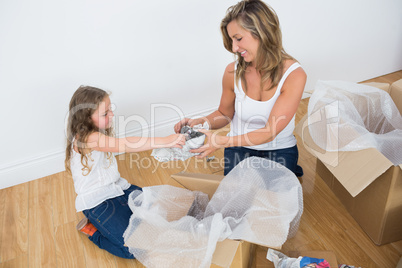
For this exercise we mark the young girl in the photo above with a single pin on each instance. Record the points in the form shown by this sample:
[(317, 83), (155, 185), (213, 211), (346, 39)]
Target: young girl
[(102, 195)]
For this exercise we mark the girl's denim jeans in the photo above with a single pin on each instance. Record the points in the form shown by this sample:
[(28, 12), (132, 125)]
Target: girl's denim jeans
[(288, 157), (111, 218)]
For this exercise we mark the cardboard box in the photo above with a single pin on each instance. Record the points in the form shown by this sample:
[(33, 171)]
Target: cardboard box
[(399, 265), (228, 253), (383, 86), (378, 208), (394, 90), (367, 184), (396, 94)]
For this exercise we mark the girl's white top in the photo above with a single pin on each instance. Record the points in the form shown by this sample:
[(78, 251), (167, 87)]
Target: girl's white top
[(102, 183), (251, 115)]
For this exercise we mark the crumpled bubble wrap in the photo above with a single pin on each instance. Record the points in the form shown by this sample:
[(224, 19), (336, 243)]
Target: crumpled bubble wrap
[(344, 116), (193, 141), (280, 260), (259, 201)]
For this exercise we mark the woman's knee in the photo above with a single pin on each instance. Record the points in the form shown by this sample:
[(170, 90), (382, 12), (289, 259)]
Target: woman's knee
[(233, 156)]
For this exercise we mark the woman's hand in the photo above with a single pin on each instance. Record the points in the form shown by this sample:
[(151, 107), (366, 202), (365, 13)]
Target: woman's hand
[(174, 141), (187, 122), (214, 142)]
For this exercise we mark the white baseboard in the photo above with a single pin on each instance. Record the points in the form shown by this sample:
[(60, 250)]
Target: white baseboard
[(44, 165), (31, 169)]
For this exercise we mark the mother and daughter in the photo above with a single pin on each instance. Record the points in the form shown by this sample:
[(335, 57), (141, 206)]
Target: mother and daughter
[(261, 91)]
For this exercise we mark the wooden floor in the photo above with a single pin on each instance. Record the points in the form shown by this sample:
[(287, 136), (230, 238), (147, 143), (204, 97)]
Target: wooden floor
[(38, 218)]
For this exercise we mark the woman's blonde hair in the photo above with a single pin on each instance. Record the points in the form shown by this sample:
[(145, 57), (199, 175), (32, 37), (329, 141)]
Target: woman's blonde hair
[(83, 104), (262, 22)]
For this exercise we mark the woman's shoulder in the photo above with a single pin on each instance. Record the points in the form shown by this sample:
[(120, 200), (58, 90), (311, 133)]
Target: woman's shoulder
[(295, 79), (298, 72), (228, 76), (230, 68), (287, 63)]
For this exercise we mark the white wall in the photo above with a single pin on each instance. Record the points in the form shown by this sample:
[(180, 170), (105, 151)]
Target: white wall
[(158, 52)]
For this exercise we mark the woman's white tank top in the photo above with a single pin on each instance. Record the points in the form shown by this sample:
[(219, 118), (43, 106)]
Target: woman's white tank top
[(251, 115)]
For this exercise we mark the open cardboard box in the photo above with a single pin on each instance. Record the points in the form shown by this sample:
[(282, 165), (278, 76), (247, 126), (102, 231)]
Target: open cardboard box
[(396, 94), (228, 253), (365, 181)]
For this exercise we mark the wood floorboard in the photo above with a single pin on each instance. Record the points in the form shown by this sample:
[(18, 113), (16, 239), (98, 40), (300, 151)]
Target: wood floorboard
[(21, 261), (2, 219), (69, 248), (389, 78), (397, 246), (41, 235), (94, 257), (14, 240), (63, 198), (38, 218)]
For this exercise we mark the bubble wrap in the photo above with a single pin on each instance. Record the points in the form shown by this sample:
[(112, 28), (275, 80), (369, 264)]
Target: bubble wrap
[(192, 142), (259, 201), (280, 260), (346, 116)]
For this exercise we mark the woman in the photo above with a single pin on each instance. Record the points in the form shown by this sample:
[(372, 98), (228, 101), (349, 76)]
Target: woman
[(261, 91)]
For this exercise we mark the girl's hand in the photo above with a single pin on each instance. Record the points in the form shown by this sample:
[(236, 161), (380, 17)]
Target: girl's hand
[(187, 122), (214, 142), (174, 141)]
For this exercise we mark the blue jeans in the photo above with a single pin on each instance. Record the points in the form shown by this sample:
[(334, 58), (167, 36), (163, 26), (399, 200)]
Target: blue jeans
[(111, 218), (288, 157)]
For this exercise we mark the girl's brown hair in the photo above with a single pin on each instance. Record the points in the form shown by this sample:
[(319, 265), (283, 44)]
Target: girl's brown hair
[(83, 104), (262, 22)]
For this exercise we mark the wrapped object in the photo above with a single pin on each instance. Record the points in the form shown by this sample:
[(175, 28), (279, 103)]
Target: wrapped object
[(280, 260), (194, 140)]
